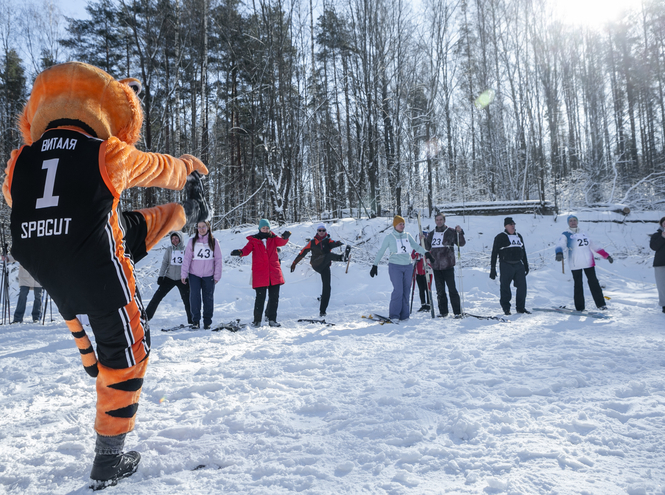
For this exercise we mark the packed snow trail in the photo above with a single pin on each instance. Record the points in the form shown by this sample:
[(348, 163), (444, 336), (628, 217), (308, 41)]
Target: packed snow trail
[(548, 403)]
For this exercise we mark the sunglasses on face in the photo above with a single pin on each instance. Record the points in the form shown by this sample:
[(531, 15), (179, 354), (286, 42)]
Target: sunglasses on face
[(320, 230)]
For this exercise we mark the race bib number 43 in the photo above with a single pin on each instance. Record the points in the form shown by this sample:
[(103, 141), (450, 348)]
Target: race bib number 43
[(203, 252)]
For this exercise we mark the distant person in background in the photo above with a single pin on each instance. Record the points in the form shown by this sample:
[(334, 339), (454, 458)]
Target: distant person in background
[(169, 276), (321, 246), (421, 279), (513, 266), (202, 265), (658, 244), (441, 243), (25, 284), (266, 270), (580, 249)]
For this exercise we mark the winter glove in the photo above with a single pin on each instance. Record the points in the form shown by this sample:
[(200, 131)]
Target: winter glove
[(429, 256), (293, 267), (526, 269), (286, 234), (559, 256), (160, 280), (374, 271), (610, 259), (236, 252), (493, 273)]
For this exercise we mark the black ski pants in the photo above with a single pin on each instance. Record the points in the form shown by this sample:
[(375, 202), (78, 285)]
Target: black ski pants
[(441, 279), (165, 288), (324, 271), (594, 286), (326, 289), (422, 289), (259, 302), (512, 272)]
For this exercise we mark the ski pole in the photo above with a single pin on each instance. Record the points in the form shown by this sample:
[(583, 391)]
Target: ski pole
[(461, 276), (562, 270)]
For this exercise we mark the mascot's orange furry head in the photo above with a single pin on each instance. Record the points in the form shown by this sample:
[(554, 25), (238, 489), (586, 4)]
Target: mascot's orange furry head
[(80, 95)]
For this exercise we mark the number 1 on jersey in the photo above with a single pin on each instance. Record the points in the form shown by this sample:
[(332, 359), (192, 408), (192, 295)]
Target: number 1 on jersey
[(48, 200)]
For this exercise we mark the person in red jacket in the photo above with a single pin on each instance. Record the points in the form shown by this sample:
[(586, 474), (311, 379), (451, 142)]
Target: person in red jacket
[(266, 270), (421, 280)]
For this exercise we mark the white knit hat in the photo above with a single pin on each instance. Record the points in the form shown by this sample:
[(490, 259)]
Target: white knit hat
[(321, 226)]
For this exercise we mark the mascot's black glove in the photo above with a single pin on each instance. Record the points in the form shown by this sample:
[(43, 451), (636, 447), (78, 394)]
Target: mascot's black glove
[(293, 267), (160, 280), (236, 252), (559, 256), (429, 256), (374, 271), (493, 273), (610, 259), (286, 234)]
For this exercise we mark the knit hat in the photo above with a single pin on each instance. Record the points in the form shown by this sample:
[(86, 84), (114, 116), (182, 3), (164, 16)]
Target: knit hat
[(321, 226), (508, 221), (570, 217), (397, 220), (264, 223)]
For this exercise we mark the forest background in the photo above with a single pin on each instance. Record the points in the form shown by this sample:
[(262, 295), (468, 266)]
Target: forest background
[(369, 107)]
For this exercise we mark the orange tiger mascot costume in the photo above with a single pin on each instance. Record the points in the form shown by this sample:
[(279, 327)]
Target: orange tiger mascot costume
[(80, 126)]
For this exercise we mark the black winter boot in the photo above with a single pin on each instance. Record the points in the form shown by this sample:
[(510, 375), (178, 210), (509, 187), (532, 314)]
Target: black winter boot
[(108, 469), (196, 207), (347, 251)]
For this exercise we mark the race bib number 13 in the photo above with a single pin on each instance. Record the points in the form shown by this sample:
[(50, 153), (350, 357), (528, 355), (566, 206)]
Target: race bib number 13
[(176, 258)]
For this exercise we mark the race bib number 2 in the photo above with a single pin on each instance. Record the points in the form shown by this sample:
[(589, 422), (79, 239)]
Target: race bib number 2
[(203, 252)]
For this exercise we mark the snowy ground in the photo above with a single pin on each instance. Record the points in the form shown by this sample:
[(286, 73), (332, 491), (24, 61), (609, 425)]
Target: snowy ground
[(544, 404)]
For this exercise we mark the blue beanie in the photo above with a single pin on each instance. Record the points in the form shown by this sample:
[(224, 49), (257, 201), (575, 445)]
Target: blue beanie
[(570, 217), (264, 223)]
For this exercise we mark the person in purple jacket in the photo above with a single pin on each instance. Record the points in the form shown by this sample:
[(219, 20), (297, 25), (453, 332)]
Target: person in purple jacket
[(203, 266)]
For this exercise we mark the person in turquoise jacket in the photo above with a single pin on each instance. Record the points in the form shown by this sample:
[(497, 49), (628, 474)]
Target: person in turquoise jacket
[(400, 244)]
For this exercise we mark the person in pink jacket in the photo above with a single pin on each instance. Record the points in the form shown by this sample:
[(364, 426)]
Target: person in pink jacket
[(203, 266)]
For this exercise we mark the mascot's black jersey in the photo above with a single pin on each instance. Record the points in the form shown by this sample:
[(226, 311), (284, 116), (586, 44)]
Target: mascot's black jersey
[(65, 226)]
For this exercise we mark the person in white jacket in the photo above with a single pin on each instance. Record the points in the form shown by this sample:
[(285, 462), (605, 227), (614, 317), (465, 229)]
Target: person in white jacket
[(580, 258), (26, 283)]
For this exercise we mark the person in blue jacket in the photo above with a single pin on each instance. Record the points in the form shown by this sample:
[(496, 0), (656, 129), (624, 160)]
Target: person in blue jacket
[(399, 244)]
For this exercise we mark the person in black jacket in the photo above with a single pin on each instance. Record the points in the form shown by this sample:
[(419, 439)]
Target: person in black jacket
[(658, 244), (322, 257), (513, 265)]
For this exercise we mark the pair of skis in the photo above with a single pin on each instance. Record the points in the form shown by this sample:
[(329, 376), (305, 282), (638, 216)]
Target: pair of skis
[(574, 312), (378, 318), (313, 320), (232, 326)]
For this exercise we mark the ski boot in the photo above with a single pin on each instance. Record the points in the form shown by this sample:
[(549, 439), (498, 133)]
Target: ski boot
[(273, 323), (107, 470), (196, 207), (347, 251)]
